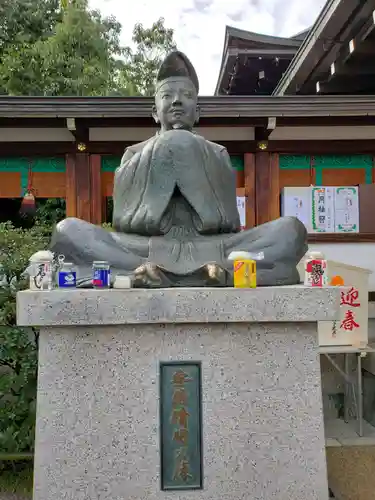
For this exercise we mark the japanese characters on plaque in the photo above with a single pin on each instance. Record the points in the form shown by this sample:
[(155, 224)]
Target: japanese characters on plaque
[(350, 301), (323, 209), (346, 210), (181, 426), (351, 325)]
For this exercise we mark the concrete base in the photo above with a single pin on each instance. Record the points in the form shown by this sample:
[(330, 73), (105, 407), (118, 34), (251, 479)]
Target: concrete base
[(98, 424)]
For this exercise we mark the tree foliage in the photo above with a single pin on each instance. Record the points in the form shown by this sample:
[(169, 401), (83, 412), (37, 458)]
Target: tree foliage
[(76, 55), (27, 21), (18, 346), (142, 62), (50, 211), (62, 48), (23, 23)]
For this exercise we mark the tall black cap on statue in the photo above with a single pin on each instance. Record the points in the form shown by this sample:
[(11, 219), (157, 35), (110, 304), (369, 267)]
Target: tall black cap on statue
[(177, 64)]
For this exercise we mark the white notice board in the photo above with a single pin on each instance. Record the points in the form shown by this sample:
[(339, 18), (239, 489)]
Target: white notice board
[(241, 207)]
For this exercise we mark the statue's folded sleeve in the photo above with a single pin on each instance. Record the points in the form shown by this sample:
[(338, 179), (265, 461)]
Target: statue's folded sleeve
[(141, 192), (150, 173), (209, 186)]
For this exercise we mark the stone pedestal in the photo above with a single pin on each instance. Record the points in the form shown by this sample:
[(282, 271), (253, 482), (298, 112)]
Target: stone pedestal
[(98, 419)]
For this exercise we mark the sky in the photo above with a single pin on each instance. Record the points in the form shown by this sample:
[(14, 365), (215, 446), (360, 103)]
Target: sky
[(199, 25)]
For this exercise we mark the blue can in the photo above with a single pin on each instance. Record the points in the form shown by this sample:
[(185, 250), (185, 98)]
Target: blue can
[(67, 276), (101, 274)]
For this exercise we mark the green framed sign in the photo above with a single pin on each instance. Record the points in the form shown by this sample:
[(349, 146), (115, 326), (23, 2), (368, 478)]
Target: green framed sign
[(181, 425)]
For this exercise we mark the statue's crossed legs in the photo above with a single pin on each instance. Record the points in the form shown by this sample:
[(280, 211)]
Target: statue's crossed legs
[(283, 242)]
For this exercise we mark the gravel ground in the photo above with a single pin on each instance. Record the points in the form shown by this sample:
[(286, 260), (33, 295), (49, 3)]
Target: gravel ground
[(351, 471)]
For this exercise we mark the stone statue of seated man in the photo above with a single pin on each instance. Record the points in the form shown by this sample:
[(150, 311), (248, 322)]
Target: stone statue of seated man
[(175, 215)]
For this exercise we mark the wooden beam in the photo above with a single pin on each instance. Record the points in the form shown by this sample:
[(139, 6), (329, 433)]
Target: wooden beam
[(249, 182), (268, 54), (218, 122), (262, 133), (239, 121), (83, 187), (342, 238), (81, 132), (361, 45), (352, 60), (302, 119), (364, 49), (96, 189), (135, 122), (104, 209), (83, 184), (71, 191), (267, 187), (354, 69), (47, 149), (274, 194), (212, 108), (349, 84), (322, 147), (327, 121), (358, 46), (21, 122), (262, 187), (37, 149), (117, 148)]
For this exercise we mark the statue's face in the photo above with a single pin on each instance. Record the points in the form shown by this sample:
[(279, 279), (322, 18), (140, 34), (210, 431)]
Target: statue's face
[(176, 104)]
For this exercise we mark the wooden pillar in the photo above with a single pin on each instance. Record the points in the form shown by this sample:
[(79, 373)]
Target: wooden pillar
[(96, 189), (249, 183), (83, 187), (240, 178), (70, 183), (82, 168), (274, 186), (104, 209), (267, 189)]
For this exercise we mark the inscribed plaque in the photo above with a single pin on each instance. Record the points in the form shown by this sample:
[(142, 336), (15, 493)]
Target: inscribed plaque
[(181, 425)]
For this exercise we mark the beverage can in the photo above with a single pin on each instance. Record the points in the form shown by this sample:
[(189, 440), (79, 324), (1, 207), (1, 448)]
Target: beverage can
[(67, 276), (101, 274), (245, 268)]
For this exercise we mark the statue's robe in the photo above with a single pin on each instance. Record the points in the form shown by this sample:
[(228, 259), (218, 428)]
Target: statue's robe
[(179, 191), (175, 206)]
